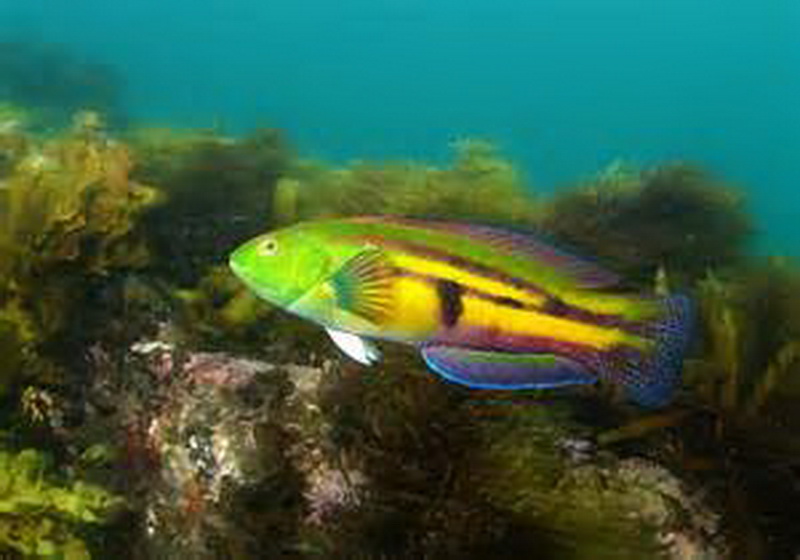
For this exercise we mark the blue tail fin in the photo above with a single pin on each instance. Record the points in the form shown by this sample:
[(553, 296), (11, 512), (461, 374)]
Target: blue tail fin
[(651, 378)]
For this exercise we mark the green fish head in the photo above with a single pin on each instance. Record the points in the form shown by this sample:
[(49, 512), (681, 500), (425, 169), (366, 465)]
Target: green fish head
[(282, 266)]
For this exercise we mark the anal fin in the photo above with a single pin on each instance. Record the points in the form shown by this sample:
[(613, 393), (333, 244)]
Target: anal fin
[(484, 369)]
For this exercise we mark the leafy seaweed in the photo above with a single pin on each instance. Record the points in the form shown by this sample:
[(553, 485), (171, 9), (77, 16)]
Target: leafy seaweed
[(478, 185), (636, 221), (42, 518)]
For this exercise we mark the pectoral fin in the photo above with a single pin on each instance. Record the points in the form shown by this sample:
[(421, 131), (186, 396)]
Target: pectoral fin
[(363, 286), (503, 370), (360, 349)]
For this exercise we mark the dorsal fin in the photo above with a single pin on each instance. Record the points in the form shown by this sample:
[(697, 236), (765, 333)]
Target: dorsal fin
[(526, 245)]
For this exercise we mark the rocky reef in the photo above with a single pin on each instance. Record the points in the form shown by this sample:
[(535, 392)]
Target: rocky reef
[(154, 408)]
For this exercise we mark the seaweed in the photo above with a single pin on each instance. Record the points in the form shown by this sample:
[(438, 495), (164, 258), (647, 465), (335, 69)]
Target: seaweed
[(751, 336), (221, 313), (478, 185), (41, 517), (216, 192), (67, 220), (16, 345), (108, 287), (442, 472), (676, 217), (736, 425)]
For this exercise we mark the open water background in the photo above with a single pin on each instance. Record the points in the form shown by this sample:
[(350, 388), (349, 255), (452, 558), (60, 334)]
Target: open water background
[(565, 86)]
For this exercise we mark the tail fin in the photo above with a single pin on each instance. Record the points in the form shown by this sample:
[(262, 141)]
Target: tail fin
[(651, 378)]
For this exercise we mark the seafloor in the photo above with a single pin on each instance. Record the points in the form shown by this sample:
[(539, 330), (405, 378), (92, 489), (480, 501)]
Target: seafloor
[(153, 408)]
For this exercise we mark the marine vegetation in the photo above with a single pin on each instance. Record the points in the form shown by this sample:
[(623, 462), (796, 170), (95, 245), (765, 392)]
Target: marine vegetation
[(637, 221), (749, 369), (442, 472), (747, 383), (42, 516), (216, 193), (234, 430), (67, 221), (479, 185)]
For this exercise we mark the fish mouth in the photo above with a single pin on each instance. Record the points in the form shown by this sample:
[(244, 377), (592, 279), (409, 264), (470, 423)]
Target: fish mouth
[(241, 272), (238, 270)]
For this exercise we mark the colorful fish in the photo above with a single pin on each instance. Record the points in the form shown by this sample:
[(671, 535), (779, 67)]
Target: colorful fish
[(487, 308)]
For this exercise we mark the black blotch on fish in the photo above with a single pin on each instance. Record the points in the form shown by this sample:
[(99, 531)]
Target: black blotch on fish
[(509, 302), (556, 307), (450, 303)]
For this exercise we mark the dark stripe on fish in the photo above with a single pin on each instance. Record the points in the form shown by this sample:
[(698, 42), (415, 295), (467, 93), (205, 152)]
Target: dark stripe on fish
[(504, 300), (450, 304), (557, 307), (465, 290), (469, 265), (553, 305)]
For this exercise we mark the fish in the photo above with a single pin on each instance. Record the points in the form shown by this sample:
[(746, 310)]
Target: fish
[(487, 307)]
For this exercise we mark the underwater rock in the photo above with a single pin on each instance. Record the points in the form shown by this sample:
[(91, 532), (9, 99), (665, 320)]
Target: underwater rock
[(585, 501), (452, 473), (227, 456), (223, 456)]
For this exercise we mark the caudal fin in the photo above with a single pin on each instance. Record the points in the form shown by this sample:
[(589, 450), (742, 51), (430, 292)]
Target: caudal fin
[(651, 378)]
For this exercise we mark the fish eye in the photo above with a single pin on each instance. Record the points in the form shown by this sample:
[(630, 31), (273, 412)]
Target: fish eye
[(268, 247)]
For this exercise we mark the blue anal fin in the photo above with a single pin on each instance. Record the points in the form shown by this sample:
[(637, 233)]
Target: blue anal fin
[(481, 369)]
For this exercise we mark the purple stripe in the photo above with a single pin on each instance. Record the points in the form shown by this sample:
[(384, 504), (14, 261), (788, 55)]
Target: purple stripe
[(495, 339), (590, 274)]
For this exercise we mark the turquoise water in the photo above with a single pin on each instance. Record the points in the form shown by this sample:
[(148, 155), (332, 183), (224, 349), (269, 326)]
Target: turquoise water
[(564, 86)]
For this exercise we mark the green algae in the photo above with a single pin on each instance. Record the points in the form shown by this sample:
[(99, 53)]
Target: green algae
[(751, 339), (637, 221), (219, 311), (479, 184), (43, 518), (67, 218), (215, 193), (16, 340), (593, 506)]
